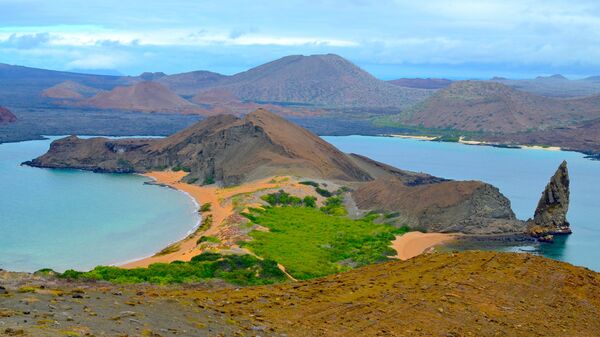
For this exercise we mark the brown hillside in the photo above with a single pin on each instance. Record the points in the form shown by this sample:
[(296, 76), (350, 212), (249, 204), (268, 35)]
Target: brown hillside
[(461, 294), (493, 107), (144, 96), (322, 80), (188, 84), (6, 116), (70, 90)]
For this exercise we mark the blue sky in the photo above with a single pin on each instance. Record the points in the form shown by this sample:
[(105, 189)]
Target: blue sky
[(390, 38)]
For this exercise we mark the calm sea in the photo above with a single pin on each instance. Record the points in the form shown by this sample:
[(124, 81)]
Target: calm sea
[(64, 219), (520, 174)]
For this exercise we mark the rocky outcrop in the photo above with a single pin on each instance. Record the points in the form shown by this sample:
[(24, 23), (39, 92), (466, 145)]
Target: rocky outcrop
[(471, 207), (6, 116), (550, 216)]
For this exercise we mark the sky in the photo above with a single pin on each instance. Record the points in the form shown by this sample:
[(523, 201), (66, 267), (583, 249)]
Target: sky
[(390, 38)]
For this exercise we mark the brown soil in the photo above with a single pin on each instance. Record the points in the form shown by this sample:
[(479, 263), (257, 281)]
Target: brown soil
[(443, 294)]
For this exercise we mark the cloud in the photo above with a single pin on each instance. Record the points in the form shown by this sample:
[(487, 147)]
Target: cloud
[(518, 33), (26, 41), (97, 61)]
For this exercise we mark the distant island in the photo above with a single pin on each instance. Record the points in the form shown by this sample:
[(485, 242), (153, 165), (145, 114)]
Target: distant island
[(325, 93)]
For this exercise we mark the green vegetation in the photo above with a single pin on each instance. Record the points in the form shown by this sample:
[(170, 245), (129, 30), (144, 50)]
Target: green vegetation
[(209, 180), (444, 135), (236, 269), (124, 165), (334, 206), (182, 168), (311, 243), (168, 250), (323, 192), (206, 207), (310, 201), (209, 239), (309, 183), (283, 198)]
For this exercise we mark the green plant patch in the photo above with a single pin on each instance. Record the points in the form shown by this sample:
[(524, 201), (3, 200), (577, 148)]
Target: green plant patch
[(206, 207), (311, 243), (209, 239), (236, 269)]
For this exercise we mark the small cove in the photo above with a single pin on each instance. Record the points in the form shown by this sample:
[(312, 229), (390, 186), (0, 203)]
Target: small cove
[(65, 219)]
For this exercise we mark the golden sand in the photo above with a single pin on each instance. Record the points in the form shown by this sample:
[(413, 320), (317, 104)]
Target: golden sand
[(412, 244)]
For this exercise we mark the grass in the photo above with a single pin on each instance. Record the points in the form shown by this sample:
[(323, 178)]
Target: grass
[(209, 239), (311, 243), (236, 269), (170, 249)]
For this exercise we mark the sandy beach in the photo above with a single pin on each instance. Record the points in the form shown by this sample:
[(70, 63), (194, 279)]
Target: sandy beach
[(221, 209), (428, 138), (412, 244), (538, 147)]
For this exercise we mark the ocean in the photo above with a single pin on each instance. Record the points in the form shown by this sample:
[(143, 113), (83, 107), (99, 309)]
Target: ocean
[(72, 219)]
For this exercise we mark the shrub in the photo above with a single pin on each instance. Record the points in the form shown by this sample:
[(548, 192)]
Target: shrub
[(310, 183), (206, 207), (334, 206), (236, 269), (210, 239), (323, 192), (310, 201), (208, 180)]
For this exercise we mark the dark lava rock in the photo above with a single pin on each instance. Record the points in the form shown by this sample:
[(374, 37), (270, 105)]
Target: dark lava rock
[(550, 216)]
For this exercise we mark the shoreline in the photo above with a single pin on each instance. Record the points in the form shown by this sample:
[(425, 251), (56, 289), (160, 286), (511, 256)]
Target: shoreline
[(413, 244), (461, 140), (221, 209), (154, 182)]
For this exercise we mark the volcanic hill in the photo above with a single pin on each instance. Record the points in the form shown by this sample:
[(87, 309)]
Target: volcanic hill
[(231, 151), (70, 90), (145, 96), (316, 80), (493, 107)]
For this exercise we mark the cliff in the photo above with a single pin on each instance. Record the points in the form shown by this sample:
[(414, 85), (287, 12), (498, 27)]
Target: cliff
[(550, 216)]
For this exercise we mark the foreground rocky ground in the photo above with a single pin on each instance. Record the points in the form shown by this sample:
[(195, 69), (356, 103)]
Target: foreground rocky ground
[(444, 294)]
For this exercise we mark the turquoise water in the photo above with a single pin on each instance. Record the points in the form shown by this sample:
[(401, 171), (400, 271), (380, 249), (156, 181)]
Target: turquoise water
[(520, 174), (73, 219)]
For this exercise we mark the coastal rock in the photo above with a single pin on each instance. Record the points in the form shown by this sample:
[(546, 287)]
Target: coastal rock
[(550, 216)]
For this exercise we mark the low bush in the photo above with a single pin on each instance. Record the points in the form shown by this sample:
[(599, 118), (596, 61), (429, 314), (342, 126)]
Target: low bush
[(310, 183), (206, 207), (236, 269)]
